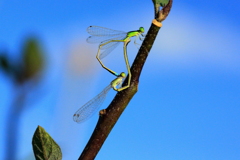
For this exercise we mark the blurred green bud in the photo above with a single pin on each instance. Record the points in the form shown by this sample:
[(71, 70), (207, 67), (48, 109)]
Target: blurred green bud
[(33, 59), (160, 3)]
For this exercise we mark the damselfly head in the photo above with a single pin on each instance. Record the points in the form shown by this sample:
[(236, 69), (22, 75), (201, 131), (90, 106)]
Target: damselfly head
[(141, 29), (122, 75)]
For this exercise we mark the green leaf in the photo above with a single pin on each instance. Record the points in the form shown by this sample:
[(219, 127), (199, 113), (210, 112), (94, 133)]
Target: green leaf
[(44, 147), (160, 3)]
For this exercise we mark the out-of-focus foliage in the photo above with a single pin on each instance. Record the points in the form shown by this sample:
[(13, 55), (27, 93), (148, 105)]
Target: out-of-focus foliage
[(4, 63), (10, 68), (29, 66), (32, 58), (44, 147)]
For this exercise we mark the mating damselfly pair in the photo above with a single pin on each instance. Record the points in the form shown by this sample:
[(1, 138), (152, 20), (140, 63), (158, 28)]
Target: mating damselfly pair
[(108, 40)]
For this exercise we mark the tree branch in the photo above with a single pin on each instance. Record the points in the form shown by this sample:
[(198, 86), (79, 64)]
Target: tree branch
[(109, 116)]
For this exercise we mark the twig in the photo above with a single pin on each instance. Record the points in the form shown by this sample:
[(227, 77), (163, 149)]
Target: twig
[(109, 116)]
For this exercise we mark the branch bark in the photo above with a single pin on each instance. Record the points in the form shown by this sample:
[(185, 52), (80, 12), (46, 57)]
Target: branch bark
[(109, 116)]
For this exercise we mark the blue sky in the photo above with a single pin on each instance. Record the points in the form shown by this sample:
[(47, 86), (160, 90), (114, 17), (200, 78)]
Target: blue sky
[(188, 103)]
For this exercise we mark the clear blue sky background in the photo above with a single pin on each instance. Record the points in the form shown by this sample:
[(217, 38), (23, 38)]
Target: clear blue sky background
[(188, 103)]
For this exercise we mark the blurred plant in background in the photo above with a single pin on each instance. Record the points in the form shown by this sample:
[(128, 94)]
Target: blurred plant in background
[(25, 73)]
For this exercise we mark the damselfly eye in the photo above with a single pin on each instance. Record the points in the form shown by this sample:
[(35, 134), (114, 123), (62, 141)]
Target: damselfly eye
[(141, 29), (123, 74)]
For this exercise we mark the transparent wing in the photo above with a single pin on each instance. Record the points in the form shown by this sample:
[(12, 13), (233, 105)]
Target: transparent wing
[(106, 51), (101, 31), (108, 48), (103, 39), (87, 110), (100, 34), (98, 39)]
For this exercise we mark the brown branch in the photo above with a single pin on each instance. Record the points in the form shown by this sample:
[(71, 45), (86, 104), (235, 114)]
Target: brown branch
[(109, 116), (162, 14)]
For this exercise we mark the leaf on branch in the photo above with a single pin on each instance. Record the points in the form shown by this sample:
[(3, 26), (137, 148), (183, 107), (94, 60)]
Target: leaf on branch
[(44, 147), (160, 3)]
